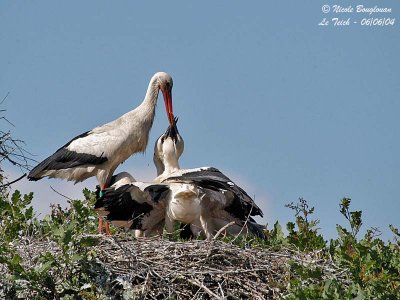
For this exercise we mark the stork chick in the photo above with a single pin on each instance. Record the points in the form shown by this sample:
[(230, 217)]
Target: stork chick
[(204, 198)]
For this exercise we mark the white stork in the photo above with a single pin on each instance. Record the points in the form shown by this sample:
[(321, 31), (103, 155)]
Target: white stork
[(204, 198), (98, 152), (125, 178)]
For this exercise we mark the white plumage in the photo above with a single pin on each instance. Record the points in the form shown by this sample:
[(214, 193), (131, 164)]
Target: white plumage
[(202, 197), (99, 151)]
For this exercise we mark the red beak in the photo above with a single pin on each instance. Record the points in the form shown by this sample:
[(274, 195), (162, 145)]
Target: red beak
[(168, 106)]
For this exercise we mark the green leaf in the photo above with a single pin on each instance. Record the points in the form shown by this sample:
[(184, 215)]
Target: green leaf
[(16, 197), (58, 231), (44, 267), (277, 233), (29, 213), (17, 259), (16, 265), (394, 230), (88, 241), (290, 226), (76, 258)]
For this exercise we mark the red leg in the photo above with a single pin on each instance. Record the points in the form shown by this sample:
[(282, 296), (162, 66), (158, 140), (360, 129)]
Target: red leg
[(107, 225), (101, 225), (108, 229)]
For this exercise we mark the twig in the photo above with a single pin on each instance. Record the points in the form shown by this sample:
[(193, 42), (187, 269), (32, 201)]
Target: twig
[(206, 289), (14, 181), (145, 283), (222, 229), (66, 197), (8, 93), (244, 225), (222, 290), (5, 119)]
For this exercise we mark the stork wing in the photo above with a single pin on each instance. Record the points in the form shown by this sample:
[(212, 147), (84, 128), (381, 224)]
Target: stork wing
[(66, 157), (135, 206), (235, 200), (90, 148)]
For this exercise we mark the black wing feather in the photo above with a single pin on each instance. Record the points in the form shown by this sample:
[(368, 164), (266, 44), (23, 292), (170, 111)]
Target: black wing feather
[(242, 205), (121, 206), (65, 159)]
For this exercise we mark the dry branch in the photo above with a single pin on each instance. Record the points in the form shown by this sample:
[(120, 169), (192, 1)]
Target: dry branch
[(11, 182)]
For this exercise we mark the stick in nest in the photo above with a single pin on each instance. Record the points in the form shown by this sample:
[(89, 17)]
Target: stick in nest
[(206, 289), (222, 229), (244, 225)]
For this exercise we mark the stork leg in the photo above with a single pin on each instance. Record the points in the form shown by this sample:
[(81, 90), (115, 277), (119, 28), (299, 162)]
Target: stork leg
[(207, 227), (139, 233), (169, 224), (107, 225), (196, 228), (101, 224), (108, 232)]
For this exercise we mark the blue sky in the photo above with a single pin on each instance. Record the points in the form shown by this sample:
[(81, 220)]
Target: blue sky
[(283, 106)]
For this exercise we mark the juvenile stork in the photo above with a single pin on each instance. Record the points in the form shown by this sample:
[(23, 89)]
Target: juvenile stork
[(125, 179), (98, 152), (204, 198)]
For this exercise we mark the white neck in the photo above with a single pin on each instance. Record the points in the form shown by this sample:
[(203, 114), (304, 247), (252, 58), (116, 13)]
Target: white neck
[(170, 158), (150, 99), (171, 166), (159, 165), (144, 114)]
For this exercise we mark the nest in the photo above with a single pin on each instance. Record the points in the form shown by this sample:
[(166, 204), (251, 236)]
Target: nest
[(157, 268)]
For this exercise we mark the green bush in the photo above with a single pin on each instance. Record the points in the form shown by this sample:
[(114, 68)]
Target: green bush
[(63, 229), (369, 267)]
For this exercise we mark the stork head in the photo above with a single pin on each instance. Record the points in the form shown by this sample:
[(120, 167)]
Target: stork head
[(168, 149), (165, 83)]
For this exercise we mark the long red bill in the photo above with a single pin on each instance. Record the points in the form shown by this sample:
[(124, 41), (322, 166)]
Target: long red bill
[(168, 106)]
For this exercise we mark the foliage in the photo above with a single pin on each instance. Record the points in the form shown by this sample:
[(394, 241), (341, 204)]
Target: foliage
[(371, 267), (67, 264), (306, 237), (367, 267), (12, 150), (60, 276)]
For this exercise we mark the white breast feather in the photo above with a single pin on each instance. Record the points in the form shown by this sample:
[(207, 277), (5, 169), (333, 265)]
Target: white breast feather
[(185, 203)]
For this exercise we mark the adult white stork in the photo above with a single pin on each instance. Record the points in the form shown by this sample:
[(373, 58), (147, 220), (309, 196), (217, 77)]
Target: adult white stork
[(204, 198), (98, 152)]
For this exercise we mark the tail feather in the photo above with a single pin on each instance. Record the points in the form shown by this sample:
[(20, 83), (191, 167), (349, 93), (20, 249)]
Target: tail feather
[(64, 159), (257, 229)]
